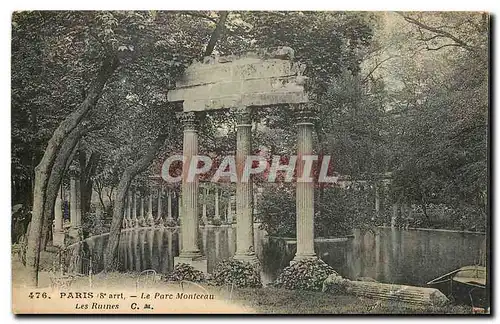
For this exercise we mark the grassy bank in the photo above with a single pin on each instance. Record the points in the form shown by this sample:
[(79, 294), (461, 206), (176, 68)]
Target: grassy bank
[(282, 301), (265, 300)]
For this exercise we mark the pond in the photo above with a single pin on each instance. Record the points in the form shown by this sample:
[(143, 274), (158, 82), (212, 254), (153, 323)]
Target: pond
[(389, 255)]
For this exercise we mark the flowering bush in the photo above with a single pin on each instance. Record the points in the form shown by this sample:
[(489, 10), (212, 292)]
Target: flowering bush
[(306, 274), (184, 271), (241, 274)]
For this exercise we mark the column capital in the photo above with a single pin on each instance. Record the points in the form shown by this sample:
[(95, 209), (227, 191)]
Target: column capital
[(243, 116), (304, 114), (188, 119), (73, 171)]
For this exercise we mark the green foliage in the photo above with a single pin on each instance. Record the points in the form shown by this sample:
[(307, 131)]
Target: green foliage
[(308, 274), (277, 210), (184, 271), (342, 210), (440, 118), (241, 274), (338, 211), (93, 225)]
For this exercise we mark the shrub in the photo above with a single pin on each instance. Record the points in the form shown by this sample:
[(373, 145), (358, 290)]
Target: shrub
[(184, 271), (306, 274), (241, 274), (338, 211)]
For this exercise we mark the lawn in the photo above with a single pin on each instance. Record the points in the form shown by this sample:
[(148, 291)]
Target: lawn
[(281, 301), (267, 300)]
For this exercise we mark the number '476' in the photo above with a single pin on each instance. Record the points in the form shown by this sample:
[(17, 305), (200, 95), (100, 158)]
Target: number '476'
[(37, 295)]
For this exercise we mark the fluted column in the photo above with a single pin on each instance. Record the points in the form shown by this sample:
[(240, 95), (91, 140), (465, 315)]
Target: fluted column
[(305, 187), (141, 219), (134, 210), (129, 209), (78, 202), (189, 222), (159, 216), (179, 208), (125, 208), (58, 234), (169, 206), (74, 203), (244, 215), (58, 217), (149, 219)]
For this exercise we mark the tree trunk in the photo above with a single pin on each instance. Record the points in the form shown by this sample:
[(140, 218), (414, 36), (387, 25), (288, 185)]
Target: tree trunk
[(43, 169), (87, 171), (56, 176), (116, 223), (216, 33)]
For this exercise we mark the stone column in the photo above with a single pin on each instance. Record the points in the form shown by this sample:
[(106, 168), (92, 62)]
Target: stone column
[(169, 206), (125, 208), (134, 210), (141, 215), (150, 220), (395, 208), (190, 253), (74, 203), (305, 189), (216, 205), (179, 208), (377, 201), (58, 234), (159, 217), (244, 216), (129, 209), (204, 207), (78, 203)]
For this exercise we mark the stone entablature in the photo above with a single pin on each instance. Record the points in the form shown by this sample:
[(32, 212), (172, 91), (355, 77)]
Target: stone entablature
[(266, 78)]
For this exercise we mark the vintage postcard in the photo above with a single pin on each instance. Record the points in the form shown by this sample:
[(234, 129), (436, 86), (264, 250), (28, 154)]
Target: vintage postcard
[(250, 162)]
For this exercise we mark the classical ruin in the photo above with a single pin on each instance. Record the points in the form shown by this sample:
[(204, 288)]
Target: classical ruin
[(241, 84)]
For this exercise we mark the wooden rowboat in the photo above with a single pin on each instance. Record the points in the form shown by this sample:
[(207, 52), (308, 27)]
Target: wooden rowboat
[(466, 285)]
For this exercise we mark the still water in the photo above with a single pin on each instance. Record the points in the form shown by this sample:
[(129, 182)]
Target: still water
[(388, 255)]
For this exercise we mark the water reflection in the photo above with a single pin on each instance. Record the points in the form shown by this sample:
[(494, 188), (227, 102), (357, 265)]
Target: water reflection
[(387, 255)]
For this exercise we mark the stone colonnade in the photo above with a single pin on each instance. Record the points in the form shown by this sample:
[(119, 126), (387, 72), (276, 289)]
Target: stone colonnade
[(190, 252)]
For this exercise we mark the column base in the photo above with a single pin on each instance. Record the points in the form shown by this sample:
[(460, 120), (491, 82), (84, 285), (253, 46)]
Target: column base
[(250, 258), (196, 260), (300, 257), (58, 239)]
